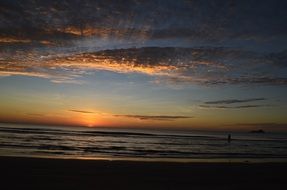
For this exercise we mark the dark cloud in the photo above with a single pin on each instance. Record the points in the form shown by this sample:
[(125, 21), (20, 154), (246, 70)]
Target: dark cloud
[(232, 107), (239, 103), (233, 101), (203, 20), (155, 117), (186, 42), (81, 111), (278, 59)]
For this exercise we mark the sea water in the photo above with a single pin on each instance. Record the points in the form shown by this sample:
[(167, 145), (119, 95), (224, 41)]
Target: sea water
[(136, 144)]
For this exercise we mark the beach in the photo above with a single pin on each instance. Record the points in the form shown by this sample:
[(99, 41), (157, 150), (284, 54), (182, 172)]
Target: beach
[(44, 173)]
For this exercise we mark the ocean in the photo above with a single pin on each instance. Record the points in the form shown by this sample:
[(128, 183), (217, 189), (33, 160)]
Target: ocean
[(139, 144)]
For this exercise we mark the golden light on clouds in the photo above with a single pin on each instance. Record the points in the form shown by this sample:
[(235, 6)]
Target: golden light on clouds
[(61, 68), (14, 40), (119, 66)]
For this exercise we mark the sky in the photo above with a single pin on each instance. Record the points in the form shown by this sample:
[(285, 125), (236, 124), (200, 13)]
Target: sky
[(192, 64)]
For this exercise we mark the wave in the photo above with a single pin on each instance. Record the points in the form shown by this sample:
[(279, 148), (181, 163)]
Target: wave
[(96, 143), (119, 134)]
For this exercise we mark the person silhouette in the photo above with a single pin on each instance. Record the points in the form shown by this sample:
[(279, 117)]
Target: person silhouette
[(229, 138)]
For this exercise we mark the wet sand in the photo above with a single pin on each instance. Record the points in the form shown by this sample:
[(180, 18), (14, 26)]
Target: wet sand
[(38, 173)]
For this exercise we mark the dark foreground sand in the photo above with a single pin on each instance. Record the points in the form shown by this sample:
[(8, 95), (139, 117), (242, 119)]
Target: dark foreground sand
[(35, 173)]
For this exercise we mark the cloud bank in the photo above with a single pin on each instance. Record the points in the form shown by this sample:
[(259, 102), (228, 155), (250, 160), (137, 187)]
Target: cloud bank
[(203, 66), (172, 41), (58, 20)]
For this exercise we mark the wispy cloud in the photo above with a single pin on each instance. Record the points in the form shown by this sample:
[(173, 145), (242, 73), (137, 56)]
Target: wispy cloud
[(81, 111), (233, 101), (155, 117), (36, 114), (232, 107)]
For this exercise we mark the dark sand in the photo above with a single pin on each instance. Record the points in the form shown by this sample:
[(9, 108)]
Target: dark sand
[(35, 173)]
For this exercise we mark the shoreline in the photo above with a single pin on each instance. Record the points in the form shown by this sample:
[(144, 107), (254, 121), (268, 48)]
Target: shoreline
[(43, 173), (165, 160)]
